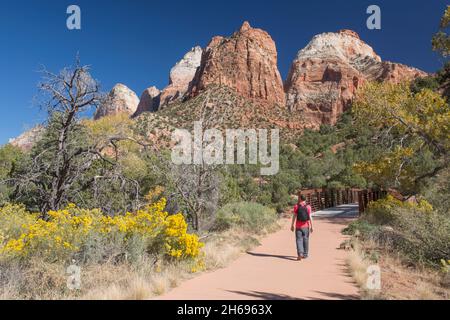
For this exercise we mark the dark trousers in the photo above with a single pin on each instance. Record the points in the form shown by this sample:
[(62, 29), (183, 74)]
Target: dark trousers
[(302, 239)]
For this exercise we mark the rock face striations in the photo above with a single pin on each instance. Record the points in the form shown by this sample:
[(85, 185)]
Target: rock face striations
[(325, 75), (120, 99), (245, 62)]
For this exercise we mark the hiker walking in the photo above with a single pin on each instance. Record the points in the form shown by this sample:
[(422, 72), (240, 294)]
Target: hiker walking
[(303, 226)]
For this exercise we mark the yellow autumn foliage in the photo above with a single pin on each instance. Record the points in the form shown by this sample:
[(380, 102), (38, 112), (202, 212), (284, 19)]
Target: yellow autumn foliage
[(413, 127), (384, 210), (425, 114), (66, 233), (386, 167)]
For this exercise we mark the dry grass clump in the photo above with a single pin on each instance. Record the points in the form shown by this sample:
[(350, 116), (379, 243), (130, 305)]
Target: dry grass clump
[(398, 281), (406, 282), (134, 284)]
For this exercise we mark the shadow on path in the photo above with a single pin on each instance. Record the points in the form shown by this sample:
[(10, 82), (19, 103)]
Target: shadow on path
[(267, 255), (338, 296), (264, 295), (279, 296)]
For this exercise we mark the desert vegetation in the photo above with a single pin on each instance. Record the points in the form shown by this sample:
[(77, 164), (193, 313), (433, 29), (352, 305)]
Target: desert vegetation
[(407, 233), (104, 196), (99, 197)]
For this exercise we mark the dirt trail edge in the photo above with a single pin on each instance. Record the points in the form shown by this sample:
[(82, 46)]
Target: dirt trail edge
[(271, 272)]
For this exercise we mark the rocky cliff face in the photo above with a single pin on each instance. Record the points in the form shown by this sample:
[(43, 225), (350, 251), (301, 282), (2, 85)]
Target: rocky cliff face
[(181, 76), (240, 75), (120, 99), (325, 75), (245, 62), (149, 101), (321, 84), (27, 139)]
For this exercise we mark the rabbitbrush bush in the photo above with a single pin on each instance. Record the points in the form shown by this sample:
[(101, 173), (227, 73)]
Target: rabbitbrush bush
[(90, 236)]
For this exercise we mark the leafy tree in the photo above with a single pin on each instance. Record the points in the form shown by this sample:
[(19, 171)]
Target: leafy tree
[(429, 82), (441, 40), (411, 131), (11, 158)]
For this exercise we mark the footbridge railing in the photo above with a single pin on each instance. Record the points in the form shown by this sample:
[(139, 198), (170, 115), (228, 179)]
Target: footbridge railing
[(324, 198)]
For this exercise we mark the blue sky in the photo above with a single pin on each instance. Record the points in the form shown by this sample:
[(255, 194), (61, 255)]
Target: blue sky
[(137, 42)]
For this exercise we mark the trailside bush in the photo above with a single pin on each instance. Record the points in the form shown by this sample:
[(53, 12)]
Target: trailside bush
[(360, 227), (249, 215), (382, 211), (422, 237), (417, 231), (90, 236)]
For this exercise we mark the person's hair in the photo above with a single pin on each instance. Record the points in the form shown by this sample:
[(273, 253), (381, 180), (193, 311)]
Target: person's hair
[(302, 198)]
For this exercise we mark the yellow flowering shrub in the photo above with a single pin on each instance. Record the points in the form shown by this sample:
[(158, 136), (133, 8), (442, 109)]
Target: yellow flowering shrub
[(180, 243), (67, 232), (384, 210), (154, 193), (12, 219)]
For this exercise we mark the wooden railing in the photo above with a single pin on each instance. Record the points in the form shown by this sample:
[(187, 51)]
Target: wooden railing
[(366, 196), (324, 198)]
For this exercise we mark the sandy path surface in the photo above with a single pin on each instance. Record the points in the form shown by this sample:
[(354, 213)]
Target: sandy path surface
[(271, 272)]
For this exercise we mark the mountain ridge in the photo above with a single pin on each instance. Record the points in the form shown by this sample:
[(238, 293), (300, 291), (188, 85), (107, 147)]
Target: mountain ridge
[(320, 86)]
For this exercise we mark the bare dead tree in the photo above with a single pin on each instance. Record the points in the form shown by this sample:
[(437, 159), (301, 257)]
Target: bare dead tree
[(195, 186), (198, 187), (60, 160)]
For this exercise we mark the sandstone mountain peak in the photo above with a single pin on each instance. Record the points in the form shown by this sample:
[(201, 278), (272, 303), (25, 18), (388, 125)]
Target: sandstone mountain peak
[(349, 33), (149, 101), (120, 99), (321, 84), (186, 67), (181, 76), (325, 75), (345, 45), (245, 62), (245, 26)]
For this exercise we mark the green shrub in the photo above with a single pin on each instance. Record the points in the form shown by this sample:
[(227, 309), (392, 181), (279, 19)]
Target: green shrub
[(362, 227), (423, 237), (248, 215)]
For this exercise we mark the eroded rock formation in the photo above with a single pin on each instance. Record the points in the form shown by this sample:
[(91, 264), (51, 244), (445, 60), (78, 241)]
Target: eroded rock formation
[(120, 99), (325, 75), (181, 76), (149, 101), (245, 62)]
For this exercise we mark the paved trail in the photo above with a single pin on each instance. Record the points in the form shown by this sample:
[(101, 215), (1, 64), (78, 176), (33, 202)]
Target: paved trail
[(271, 272)]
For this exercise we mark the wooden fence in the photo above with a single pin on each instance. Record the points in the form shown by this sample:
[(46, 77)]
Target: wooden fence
[(366, 196), (324, 198)]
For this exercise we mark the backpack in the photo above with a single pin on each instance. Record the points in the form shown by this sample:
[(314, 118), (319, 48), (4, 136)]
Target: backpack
[(302, 213)]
